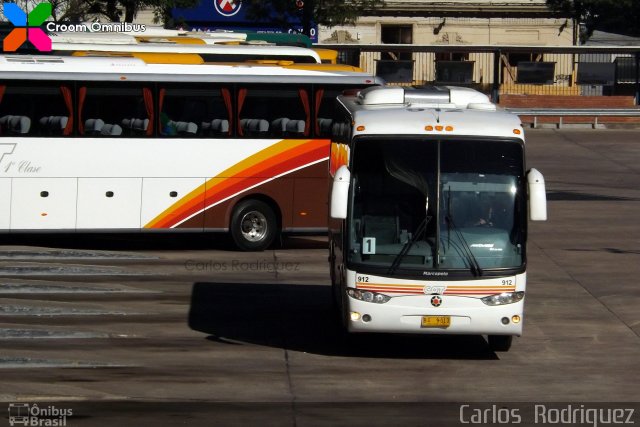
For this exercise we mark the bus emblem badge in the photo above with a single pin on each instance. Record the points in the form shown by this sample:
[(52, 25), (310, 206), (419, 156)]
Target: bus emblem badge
[(436, 301), (227, 8), (434, 290)]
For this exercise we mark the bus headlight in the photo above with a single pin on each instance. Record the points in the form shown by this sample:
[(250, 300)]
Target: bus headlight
[(367, 296), (504, 298)]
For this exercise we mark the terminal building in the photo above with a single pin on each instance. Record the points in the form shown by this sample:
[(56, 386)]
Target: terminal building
[(458, 22), (442, 26), (496, 22), (447, 28)]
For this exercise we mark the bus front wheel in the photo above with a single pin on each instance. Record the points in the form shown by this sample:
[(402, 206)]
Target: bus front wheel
[(500, 342), (253, 225)]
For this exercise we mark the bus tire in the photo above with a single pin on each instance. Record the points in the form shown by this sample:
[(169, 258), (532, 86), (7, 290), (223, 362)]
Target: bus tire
[(500, 342), (253, 225)]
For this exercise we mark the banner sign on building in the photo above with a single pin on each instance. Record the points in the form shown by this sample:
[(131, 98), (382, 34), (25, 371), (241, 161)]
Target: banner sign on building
[(212, 15)]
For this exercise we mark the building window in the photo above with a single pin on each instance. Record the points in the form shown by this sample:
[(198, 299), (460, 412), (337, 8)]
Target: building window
[(397, 34), (452, 56), (514, 58)]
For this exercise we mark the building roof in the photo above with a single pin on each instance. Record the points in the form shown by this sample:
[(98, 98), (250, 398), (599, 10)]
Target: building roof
[(601, 38), (464, 7)]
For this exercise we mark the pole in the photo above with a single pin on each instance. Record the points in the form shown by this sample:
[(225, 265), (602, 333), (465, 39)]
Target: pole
[(307, 16), (637, 78), (495, 91)]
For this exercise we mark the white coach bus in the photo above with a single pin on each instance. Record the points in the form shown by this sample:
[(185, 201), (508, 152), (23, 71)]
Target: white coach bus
[(116, 144), (429, 211)]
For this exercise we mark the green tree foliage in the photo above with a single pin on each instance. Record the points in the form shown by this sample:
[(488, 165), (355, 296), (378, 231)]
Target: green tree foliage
[(162, 9), (616, 16), (323, 12), (116, 10)]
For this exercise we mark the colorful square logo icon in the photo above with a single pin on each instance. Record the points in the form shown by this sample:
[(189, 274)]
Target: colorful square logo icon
[(27, 27)]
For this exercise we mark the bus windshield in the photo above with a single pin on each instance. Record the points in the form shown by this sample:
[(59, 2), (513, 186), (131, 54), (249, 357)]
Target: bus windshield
[(425, 204)]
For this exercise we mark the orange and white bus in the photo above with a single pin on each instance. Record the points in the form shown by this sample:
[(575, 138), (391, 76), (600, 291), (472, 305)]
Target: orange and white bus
[(209, 53), (117, 33), (179, 47), (116, 144), (208, 48)]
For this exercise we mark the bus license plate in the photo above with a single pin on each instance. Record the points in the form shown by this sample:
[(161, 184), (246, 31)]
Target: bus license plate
[(436, 321)]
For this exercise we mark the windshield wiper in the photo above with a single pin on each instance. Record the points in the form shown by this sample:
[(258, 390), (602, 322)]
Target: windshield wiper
[(407, 246), (465, 249)]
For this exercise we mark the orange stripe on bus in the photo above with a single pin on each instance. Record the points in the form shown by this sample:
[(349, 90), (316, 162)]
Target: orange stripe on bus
[(409, 289), (278, 159)]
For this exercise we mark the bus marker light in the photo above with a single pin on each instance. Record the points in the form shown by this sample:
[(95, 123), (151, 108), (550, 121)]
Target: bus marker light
[(517, 131), (355, 316), (381, 299), (43, 214), (449, 128), (428, 128), (439, 128), (515, 318), (368, 296), (360, 128), (503, 298), (303, 214)]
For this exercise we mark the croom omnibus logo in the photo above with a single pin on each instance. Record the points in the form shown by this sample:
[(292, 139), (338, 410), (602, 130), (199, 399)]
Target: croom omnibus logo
[(227, 7), (27, 27)]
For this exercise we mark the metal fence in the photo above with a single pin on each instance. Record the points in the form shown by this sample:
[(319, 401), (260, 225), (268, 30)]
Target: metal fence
[(499, 70)]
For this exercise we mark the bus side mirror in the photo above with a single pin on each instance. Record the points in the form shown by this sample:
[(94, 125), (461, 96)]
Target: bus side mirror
[(537, 196), (340, 193)]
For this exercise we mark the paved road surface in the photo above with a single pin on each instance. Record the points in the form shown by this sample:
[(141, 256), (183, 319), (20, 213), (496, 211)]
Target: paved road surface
[(178, 331)]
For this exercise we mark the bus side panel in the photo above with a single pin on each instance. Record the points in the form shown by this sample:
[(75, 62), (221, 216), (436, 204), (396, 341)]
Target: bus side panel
[(159, 199), (109, 203), (43, 203), (219, 215), (310, 197), (5, 204)]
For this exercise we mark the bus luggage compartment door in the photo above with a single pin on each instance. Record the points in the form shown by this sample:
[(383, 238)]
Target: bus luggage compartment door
[(43, 203), (109, 203), (5, 204)]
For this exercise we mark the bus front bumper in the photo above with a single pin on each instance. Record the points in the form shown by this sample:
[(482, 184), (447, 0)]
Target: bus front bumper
[(416, 314)]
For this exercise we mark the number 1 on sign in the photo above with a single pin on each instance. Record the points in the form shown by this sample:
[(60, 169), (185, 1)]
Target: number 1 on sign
[(368, 245)]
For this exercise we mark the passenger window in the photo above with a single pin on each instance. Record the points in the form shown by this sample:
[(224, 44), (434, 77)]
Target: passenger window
[(195, 113), (325, 100), (275, 112), (36, 110), (115, 111)]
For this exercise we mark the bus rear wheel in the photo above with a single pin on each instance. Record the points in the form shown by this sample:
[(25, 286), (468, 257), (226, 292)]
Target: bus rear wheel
[(500, 342), (253, 225)]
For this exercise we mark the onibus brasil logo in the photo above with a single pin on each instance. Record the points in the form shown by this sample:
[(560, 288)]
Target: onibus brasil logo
[(27, 27)]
